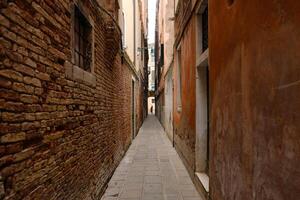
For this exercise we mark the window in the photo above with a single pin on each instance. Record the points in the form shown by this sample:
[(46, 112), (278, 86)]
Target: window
[(162, 55), (83, 41), (205, 29)]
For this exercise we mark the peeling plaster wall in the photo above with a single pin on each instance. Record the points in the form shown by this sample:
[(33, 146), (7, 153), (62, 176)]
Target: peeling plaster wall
[(184, 121), (255, 84)]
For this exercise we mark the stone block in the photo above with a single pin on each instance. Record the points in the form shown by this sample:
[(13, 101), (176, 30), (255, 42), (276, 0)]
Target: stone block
[(53, 136), (27, 153), (11, 74), (12, 117), (32, 81), (69, 69), (25, 98), (78, 73), (24, 69), (30, 62), (43, 76), (5, 83), (13, 137), (13, 148), (21, 87)]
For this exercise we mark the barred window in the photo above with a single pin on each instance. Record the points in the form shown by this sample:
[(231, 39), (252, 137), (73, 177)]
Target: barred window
[(83, 41)]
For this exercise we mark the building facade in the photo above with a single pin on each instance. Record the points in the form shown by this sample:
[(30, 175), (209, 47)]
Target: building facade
[(164, 64), (254, 76), (136, 50), (235, 93), (67, 98)]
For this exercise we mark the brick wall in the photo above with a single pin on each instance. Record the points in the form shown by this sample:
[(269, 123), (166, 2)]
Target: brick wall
[(63, 131)]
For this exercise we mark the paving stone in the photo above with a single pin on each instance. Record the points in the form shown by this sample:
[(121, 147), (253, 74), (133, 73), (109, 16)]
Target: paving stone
[(153, 189), (153, 179), (136, 193), (153, 197), (151, 169)]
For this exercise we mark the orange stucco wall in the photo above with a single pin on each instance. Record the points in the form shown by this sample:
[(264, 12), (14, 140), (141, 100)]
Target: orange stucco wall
[(255, 84), (184, 121)]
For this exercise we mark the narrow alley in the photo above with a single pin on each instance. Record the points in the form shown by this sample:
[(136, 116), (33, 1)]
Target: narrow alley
[(149, 100), (151, 169)]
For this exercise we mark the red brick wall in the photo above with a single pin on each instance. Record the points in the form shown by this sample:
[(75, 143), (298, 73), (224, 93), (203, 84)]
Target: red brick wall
[(254, 61), (60, 138)]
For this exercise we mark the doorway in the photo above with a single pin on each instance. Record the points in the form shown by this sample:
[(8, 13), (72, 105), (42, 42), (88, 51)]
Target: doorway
[(202, 98)]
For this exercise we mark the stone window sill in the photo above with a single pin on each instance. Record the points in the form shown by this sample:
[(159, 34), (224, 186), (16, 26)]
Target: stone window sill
[(204, 180), (202, 60), (75, 73)]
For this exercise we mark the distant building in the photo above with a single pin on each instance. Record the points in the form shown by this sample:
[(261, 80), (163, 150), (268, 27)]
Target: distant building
[(136, 53), (232, 87), (151, 68), (164, 42)]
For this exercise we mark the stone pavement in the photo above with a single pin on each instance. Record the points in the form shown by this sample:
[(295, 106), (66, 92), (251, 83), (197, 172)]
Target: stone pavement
[(151, 170)]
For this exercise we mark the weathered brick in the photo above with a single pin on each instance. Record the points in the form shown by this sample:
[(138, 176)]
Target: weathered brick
[(4, 21), (21, 87), (49, 108), (8, 34), (2, 150), (14, 56), (29, 116), (11, 74), (9, 127), (25, 98), (13, 148), (14, 106), (12, 169), (38, 91), (6, 160), (13, 137), (43, 76), (43, 115), (23, 155), (2, 191), (5, 44), (9, 94), (24, 69), (12, 117), (32, 81), (5, 83), (53, 136), (30, 62), (33, 107), (30, 125)]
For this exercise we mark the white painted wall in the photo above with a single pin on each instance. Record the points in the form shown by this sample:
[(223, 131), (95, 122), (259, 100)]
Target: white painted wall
[(129, 27), (168, 114), (201, 119)]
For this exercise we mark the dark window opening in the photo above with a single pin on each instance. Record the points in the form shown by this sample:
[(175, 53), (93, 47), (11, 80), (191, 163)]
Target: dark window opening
[(205, 29), (83, 41), (162, 54)]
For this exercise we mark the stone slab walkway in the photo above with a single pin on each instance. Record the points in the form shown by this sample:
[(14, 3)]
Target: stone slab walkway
[(151, 169)]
